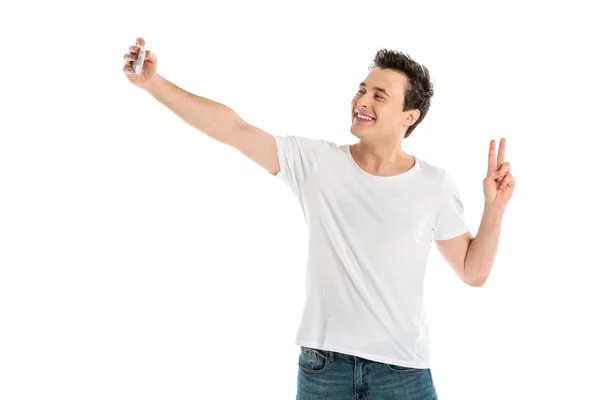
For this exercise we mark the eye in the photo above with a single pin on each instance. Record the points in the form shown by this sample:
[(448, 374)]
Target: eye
[(376, 96)]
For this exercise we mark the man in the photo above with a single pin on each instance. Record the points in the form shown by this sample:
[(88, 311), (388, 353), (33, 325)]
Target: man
[(372, 211)]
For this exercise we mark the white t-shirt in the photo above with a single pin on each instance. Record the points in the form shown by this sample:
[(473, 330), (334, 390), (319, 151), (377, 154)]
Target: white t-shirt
[(369, 239)]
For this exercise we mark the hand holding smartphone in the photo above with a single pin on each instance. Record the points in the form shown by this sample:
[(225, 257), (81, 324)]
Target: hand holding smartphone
[(140, 64)]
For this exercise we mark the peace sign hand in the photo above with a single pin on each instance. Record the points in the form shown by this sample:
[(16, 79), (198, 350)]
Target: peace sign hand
[(499, 183)]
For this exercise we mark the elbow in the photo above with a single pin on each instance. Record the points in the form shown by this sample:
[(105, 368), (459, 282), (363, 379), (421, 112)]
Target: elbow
[(478, 284), (475, 282)]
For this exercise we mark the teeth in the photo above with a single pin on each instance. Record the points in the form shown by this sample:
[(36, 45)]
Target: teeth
[(364, 117)]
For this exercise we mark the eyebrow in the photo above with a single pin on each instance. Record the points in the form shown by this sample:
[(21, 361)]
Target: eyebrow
[(376, 88)]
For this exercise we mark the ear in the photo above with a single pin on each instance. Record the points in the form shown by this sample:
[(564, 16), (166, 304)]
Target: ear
[(412, 117)]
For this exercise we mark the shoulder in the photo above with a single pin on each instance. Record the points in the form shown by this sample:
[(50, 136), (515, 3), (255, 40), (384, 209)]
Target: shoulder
[(432, 173)]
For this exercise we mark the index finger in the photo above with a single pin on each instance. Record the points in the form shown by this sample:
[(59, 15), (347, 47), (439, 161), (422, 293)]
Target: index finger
[(492, 157), (501, 151), (141, 42)]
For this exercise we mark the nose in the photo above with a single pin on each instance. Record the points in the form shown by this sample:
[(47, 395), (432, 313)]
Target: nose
[(363, 102)]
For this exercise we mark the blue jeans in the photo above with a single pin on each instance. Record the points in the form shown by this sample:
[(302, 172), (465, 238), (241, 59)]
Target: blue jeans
[(328, 375)]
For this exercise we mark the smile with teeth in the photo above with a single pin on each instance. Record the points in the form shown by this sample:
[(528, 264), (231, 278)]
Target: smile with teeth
[(364, 117)]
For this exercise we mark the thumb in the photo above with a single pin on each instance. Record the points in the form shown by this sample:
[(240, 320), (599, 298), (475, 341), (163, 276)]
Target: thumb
[(151, 57), (492, 176)]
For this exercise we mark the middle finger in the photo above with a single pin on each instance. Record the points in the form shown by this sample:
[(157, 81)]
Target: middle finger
[(131, 57)]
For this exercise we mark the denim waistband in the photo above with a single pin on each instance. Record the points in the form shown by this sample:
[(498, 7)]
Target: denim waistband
[(332, 355)]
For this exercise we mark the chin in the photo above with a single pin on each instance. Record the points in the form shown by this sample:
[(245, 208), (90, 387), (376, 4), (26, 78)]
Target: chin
[(354, 132)]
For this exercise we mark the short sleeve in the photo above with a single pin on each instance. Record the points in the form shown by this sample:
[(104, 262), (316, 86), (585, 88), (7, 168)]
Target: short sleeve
[(298, 157), (449, 217)]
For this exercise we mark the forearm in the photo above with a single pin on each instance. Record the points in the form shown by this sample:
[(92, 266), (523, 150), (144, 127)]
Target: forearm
[(210, 117), (482, 250)]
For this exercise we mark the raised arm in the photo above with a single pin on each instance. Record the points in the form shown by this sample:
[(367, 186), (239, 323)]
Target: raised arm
[(214, 119)]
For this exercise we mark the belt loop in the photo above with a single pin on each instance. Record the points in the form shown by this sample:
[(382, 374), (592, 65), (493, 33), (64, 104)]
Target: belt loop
[(330, 355)]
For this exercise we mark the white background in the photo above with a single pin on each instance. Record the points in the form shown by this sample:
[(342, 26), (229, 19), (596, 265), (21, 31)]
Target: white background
[(141, 259)]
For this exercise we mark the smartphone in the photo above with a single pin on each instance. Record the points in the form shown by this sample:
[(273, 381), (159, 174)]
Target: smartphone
[(139, 62)]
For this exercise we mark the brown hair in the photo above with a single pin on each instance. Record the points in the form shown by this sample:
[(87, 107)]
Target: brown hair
[(420, 89)]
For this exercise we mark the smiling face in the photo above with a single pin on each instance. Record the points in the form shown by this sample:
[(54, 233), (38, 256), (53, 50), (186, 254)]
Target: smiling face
[(381, 97)]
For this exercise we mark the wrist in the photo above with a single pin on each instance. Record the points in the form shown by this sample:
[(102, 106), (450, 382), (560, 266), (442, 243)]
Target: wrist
[(493, 212), (151, 83)]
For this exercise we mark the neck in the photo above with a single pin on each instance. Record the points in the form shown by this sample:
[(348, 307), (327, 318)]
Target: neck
[(382, 159)]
